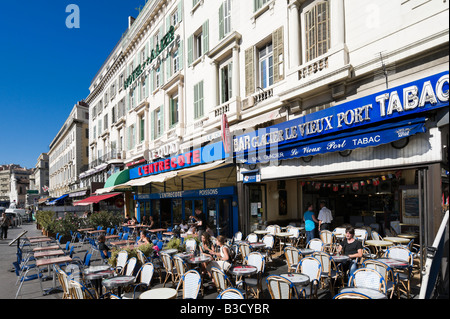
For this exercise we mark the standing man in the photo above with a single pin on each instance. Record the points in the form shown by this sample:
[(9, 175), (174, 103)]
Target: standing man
[(310, 223), (325, 217), (4, 224), (201, 222)]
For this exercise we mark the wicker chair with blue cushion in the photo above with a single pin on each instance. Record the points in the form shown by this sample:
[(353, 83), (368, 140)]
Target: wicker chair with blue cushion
[(367, 278), (191, 282), (312, 267)]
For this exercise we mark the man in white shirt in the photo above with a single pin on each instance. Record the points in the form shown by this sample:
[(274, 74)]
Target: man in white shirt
[(325, 218)]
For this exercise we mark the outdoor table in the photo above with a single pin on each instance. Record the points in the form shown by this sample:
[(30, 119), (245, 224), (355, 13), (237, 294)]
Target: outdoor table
[(406, 235), (397, 240), (306, 251), (118, 282), (297, 279), (159, 293), (122, 242), (111, 237), (283, 235), (340, 258), (184, 255), (40, 241), (170, 251), (257, 245), (372, 293), (169, 233), (199, 259), (54, 247), (244, 270), (261, 233), (92, 232), (37, 237), (96, 274), (48, 253), (377, 244), (394, 263), (157, 230), (85, 229), (48, 263)]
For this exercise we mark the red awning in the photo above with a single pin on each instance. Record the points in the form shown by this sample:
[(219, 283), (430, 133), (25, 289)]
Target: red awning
[(95, 199)]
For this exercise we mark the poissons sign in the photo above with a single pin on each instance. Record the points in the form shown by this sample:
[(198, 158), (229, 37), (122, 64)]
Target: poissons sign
[(420, 96), (161, 52)]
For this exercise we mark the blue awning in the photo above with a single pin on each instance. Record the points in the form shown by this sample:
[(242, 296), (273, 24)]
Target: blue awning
[(367, 137), (53, 202)]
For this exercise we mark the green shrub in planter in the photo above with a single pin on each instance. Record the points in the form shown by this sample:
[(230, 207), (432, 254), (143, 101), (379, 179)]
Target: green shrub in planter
[(147, 249)]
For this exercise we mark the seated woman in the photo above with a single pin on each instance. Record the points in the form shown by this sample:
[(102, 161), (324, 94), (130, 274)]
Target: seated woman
[(143, 239), (224, 255)]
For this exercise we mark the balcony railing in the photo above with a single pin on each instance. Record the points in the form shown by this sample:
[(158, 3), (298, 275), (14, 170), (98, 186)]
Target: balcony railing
[(114, 155)]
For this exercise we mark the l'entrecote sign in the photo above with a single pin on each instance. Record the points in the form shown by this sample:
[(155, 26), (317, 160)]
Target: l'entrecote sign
[(415, 97), (161, 52)]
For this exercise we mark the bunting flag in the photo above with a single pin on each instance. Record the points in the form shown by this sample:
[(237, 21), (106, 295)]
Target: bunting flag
[(355, 186), (335, 187)]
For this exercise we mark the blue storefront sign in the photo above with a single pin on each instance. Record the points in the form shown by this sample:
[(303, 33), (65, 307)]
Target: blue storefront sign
[(207, 154), (374, 110), (199, 193)]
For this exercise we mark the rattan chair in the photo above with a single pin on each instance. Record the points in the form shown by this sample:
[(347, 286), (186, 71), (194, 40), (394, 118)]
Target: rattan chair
[(404, 275), (351, 295), (330, 271), (282, 288), (367, 278), (312, 267), (168, 267), (293, 257), (387, 273), (231, 293), (329, 241), (191, 282)]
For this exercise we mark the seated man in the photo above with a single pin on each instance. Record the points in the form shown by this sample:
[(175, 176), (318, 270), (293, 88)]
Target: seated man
[(352, 248)]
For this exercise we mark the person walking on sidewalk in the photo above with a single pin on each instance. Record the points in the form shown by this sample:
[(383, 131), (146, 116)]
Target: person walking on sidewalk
[(4, 224)]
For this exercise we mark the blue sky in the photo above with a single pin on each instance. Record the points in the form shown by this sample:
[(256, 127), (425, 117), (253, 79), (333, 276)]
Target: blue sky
[(46, 67)]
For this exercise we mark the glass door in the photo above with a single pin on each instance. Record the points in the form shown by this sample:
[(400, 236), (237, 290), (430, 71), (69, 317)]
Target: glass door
[(225, 228), (212, 215)]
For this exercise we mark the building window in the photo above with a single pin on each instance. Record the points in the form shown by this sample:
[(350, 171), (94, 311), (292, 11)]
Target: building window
[(317, 30), (266, 66), (157, 123), (226, 82), (174, 111), (174, 18), (144, 92), (113, 114), (95, 132), (198, 100), (105, 122), (176, 61), (258, 4), (100, 127), (141, 128), (131, 137), (198, 43), (158, 75), (224, 19)]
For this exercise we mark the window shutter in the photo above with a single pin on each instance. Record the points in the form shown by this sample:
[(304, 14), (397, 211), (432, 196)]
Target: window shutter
[(152, 127), (180, 10), (200, 96), (161, 110), (181, 55), (190, 49), (278, 55), (221, 23), (205, 31), (249, 71), (196, 101)]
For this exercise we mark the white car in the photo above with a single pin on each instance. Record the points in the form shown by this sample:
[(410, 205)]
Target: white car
[(16, 215)]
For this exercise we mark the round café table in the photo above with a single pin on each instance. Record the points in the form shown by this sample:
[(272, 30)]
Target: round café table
[(96, 274), (297, 279), (378, 244), (118, 282), (257, 245), (340, 258), (397, 240), (394, 263), (199, 259), (184, 255), (283, 235), (406, 235), (159, 293), (306, 251), (242, 271), (372, 293), (170, 251), (261, 233)]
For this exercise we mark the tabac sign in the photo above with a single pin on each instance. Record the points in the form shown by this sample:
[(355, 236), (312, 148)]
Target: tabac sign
[(412, 98)]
